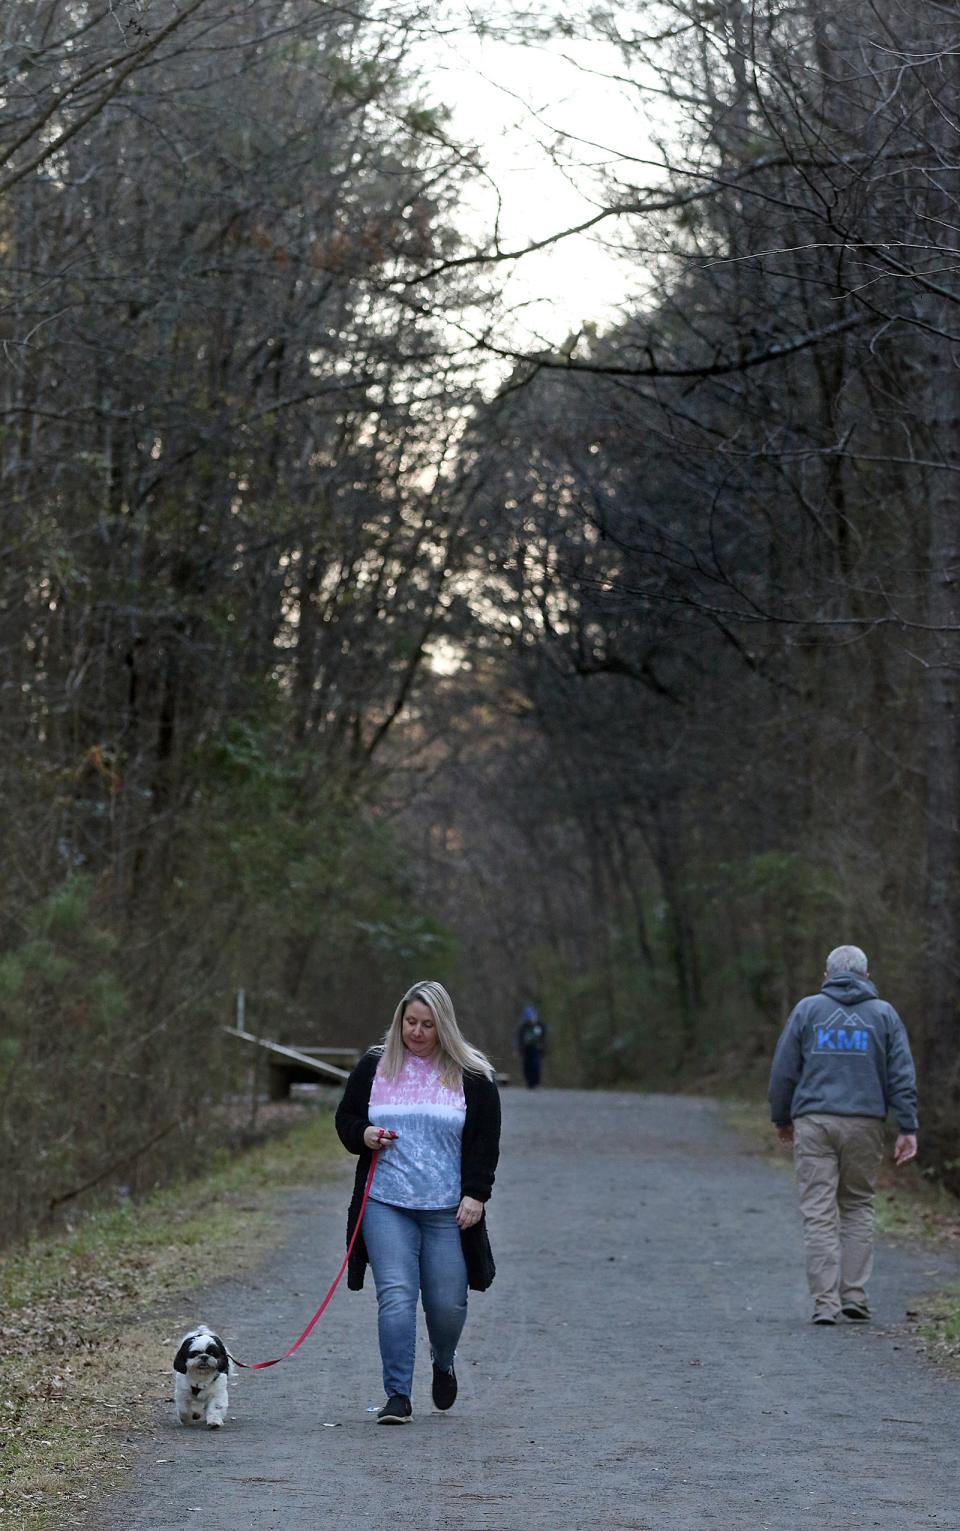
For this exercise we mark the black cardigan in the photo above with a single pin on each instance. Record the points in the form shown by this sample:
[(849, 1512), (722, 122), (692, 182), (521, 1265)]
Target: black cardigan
[(479, 1152)]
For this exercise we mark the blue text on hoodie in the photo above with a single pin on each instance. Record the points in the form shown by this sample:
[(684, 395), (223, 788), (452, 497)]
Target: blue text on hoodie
[(844, 1052)]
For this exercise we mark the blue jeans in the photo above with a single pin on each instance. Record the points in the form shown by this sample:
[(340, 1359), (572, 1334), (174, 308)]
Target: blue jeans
[(414, 1252)]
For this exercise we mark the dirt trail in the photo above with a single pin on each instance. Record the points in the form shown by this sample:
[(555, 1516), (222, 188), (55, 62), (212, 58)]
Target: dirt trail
[(642, 1361)]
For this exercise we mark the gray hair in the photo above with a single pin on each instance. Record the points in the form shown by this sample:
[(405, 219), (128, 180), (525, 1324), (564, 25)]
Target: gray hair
[(846, 959)]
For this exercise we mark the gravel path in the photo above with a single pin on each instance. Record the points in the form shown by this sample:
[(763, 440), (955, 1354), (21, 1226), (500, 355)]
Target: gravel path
[(642, 1362)]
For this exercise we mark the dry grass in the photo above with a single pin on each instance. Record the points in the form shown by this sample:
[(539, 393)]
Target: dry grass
[(936, 1328), (65, 1433)]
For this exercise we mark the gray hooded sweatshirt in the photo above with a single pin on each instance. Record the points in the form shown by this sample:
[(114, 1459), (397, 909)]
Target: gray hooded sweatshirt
[(844, 1052)]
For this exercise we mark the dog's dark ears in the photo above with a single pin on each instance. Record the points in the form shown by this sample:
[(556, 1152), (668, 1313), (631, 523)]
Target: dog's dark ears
[(180, 1359), (223, 1360)]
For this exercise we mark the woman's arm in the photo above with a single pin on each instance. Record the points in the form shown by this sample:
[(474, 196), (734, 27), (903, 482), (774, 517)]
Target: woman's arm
[(352, 1120), (480, 1148)]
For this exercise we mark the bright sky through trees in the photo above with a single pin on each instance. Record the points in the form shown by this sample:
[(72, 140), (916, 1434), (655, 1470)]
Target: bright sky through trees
[(547, 119)]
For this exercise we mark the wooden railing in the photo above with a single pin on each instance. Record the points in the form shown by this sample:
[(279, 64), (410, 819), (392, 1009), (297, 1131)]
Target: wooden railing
[(296, 1065)]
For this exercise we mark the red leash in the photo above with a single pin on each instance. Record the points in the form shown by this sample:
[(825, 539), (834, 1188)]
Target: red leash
[(259, 1366)]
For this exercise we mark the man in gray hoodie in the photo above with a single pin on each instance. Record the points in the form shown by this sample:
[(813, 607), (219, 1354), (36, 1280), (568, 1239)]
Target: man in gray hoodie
[(842, 1062)]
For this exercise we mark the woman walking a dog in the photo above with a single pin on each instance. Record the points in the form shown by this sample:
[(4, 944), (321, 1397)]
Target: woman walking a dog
[(427, 1103)]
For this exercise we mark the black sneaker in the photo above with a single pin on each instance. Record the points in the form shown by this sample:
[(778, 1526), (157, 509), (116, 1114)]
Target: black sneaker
[(857, 1312), (398, 1410), (444, 1389)]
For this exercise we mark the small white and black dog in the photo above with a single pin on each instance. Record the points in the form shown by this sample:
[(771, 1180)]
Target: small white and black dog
[(200, 1370)]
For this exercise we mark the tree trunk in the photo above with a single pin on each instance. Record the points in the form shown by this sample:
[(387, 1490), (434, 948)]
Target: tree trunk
[(940, 1055)]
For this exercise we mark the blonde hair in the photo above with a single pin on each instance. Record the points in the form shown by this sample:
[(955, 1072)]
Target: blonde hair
[(456, 1056)]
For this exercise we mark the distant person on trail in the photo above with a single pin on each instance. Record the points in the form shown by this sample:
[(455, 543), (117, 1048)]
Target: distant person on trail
[(842, 1062), (531, 1045), (427, 1103)]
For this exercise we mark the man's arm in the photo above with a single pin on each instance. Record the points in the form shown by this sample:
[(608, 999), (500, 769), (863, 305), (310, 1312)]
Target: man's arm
[(902, 1089), (785, 1075)]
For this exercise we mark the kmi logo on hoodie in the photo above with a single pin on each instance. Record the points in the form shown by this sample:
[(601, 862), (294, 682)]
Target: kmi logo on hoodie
[(838, 1034)]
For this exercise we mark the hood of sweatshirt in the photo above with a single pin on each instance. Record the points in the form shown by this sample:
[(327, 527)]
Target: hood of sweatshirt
[(848, 988)]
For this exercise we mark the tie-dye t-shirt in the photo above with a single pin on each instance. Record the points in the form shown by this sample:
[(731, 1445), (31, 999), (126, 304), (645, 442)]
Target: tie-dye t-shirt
[(422, 1168)]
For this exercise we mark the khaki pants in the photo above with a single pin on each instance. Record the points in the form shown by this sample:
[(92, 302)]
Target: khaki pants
[(836, 1160)]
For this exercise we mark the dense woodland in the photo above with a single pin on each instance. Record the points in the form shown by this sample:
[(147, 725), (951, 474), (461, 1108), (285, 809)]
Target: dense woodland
[(345, 639)]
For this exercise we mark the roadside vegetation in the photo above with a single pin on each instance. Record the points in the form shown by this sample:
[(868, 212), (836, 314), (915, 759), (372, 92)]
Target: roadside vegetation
[(75, 1303), (936, 1328)]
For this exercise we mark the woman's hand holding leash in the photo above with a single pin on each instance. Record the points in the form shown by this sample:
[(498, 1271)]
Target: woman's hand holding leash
[(376, 1138), (469, 1212)]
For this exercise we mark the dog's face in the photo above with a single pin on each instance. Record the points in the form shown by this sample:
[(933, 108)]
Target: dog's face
[(202, 1355)]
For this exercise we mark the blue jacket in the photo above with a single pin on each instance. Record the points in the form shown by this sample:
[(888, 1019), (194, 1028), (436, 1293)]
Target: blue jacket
[(844, 1052)]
